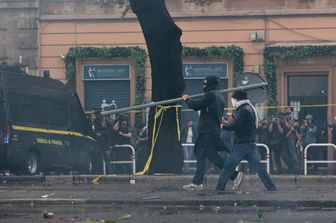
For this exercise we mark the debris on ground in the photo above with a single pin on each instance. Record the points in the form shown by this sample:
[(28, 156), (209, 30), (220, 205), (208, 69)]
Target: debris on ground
[(126, 216), (259, 217), (110, 221), (216, 209), (97, 180), (151, 197), (47, 195), (48, 215)]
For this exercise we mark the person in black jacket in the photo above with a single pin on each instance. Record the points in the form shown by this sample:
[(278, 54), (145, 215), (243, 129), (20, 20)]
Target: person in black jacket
[(244, 125), (333, 131), (208, 141)]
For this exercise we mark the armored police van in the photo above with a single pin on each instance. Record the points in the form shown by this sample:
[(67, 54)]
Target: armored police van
[(43, 126)]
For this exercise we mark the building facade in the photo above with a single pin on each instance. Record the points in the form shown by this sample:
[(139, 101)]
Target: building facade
[(19, 33), (290, 43)]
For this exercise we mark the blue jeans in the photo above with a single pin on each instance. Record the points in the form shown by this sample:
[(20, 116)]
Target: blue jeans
[(240, 152), (292, 153), (187, 154)]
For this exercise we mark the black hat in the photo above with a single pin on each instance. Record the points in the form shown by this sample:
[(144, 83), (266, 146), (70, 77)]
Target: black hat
[(212, 80), (123, 117), (239, 95)]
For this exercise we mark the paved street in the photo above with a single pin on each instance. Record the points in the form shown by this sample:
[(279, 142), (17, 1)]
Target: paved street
[(161, 199)]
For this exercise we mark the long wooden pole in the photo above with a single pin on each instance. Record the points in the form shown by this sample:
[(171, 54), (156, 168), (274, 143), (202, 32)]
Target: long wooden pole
[(175, 100)]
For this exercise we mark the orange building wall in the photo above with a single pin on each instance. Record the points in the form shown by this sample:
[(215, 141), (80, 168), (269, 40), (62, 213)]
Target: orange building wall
[(200, 29)]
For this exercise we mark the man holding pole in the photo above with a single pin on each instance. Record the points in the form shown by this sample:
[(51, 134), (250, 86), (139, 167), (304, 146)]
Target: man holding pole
[(208, 142), (244, 125)]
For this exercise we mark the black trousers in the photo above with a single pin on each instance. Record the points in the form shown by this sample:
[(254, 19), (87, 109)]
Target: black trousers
[(207, 147)]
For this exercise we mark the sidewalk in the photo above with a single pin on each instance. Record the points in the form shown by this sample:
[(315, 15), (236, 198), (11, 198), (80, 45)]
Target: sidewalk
[(301, 191)]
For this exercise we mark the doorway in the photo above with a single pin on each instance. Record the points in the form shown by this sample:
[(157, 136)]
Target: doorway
[(305, 90), (308, 94)]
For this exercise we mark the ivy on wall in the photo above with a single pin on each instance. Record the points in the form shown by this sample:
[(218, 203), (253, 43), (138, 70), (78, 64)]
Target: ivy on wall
[(137, 56), (297, 52), (232, 53), (138, 59), (107, 3), (202, 2)]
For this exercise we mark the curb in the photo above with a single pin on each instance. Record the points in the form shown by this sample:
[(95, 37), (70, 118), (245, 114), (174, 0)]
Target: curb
[(152, 180), (190, 203)]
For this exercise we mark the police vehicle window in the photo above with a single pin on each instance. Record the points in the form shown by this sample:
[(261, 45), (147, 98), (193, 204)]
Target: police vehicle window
[(2, 108), (37, 109), (76, 119), (2, 114)]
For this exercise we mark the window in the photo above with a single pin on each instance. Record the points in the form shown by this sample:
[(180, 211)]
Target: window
[(37, 109), (78, 119)]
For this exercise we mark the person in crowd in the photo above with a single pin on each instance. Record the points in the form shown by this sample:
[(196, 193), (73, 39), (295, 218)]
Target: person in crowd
[(289, 113), (113, 126), (263, 136), (276, 143), (142, 150), (113, 139), (102, 134), (293, 136), (309, 133), (125, 132), (211, 105), (120, 134), (100, 131), (188, 135), (95, 120), (333, 131), (125, 136), (226, 136), (262, 131), (244, 125)]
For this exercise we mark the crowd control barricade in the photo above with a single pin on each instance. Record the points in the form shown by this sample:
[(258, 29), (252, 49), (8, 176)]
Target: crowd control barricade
[(266, 161), (305, 158), (189, 146), (132, 161)]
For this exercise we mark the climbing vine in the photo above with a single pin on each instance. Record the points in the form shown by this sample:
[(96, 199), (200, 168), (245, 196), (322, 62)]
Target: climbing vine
[(273, 53), (136, 55)]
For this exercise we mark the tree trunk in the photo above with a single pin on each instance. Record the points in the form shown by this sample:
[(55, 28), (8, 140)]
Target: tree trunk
[(162, 37)]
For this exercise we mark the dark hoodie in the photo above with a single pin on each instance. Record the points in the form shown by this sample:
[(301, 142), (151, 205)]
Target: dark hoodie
[(211, 105)]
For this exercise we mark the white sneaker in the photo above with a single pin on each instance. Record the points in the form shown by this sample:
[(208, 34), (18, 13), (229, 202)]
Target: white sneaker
[(237, 181), (193, 187)]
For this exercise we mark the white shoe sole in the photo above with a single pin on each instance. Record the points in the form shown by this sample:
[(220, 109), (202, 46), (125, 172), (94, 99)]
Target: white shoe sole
[(238, 181), (193, 189)]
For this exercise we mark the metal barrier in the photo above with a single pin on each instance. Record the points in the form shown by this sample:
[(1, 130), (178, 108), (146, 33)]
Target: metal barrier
[(132, 161), (190, 146), (267, 160), (306, 161)]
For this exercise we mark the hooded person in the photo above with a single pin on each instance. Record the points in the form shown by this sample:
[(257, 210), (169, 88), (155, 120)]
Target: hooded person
[(211, 82), (208, 142), (244, 125)]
